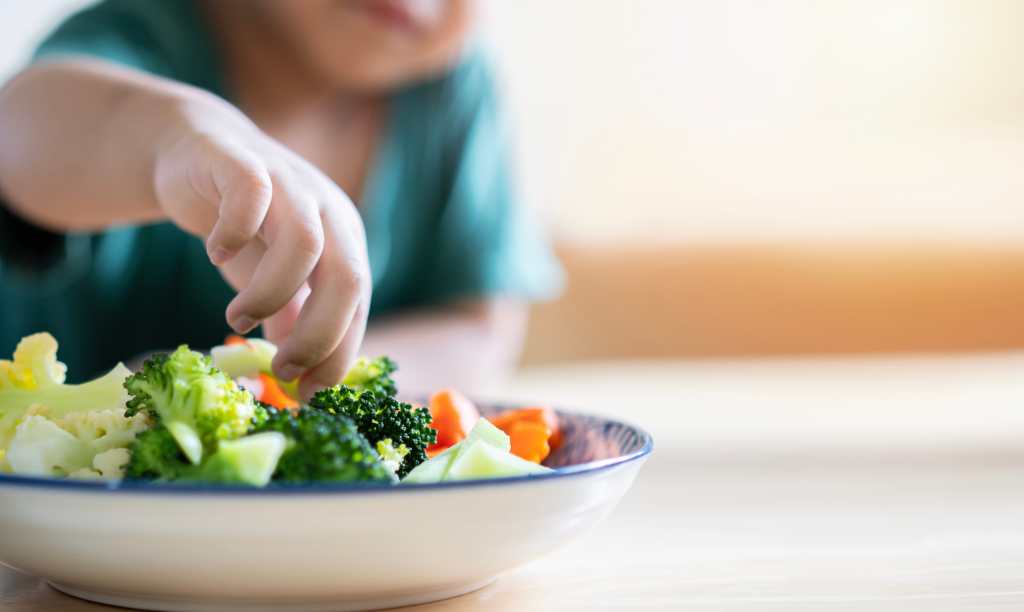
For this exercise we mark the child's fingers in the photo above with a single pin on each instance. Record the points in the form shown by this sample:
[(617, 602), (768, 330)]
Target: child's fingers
[(245, 190), (294, 234), (277, 326), (332, 370), (338, 284), (238, 270)]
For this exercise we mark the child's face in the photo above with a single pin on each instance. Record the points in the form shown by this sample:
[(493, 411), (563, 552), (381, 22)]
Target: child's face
[(371, 45)]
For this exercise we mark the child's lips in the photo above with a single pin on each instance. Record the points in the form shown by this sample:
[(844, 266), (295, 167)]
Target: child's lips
[(393, 13)]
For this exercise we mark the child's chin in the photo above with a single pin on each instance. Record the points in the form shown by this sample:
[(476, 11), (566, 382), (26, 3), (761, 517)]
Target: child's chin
[(388, 74)]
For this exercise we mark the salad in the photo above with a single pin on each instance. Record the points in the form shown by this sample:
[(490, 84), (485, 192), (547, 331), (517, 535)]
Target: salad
[(226, 419)]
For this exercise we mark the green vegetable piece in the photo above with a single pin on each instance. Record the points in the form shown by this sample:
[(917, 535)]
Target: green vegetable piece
[(198, 404), (391, 456), (479, 459), (156, 456), (322, 446), (492, 462), (381, 417), (188, 439), (434, 469), (250, 460), (249, 359), (488, 432), (372, 375)]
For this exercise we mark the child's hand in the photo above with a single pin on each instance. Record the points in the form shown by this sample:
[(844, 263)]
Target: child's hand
[(280, 231)]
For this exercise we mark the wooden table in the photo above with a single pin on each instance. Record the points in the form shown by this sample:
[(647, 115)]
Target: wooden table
[(825, 485)]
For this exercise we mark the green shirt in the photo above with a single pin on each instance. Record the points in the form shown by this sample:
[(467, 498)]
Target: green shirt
[(441, 219)]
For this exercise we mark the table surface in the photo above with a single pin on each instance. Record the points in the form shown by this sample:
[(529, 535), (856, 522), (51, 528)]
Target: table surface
[(826, 485)]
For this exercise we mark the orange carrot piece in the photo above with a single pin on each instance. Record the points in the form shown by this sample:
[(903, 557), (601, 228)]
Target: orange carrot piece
[(274, 395), (541, 415), (453, 415), (233, 339), (530, 440)]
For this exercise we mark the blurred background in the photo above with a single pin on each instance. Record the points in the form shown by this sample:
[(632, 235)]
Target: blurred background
[(794, 237), (742, 178)]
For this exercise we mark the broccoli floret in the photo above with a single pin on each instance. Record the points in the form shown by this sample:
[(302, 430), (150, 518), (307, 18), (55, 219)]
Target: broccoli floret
[(322, 447), (372, 375), (391, 456), (196, 403), (381, 417), (156, 456), (249, 460)]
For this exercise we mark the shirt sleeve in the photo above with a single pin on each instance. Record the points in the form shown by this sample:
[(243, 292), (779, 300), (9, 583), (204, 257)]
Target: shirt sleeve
[(486, 243), (166, 38)]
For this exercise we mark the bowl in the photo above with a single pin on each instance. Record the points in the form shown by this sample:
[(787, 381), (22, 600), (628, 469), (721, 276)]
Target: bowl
[(311, 548)]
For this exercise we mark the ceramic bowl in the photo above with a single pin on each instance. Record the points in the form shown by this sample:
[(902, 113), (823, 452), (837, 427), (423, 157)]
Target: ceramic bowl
[(320, 547)]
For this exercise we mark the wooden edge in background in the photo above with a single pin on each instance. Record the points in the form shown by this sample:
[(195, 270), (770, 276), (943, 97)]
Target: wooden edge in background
[(737, 300)]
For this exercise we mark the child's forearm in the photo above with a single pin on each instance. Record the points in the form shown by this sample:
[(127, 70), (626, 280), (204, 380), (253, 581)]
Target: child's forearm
[(80, 140)]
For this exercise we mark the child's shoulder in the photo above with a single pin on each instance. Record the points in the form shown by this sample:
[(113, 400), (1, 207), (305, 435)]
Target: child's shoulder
[(167, 38), (149, 23)]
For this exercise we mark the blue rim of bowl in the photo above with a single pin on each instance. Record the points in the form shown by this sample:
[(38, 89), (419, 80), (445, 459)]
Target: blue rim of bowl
[(148, 488)]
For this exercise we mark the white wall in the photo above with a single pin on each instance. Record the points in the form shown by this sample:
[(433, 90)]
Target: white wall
[(23, 23), (731, 119), (736, 119)]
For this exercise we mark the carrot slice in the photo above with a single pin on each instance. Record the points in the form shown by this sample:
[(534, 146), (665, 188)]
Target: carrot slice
[(233, 339), (530, 440), (541, 415), (453, 415), (274, 395)]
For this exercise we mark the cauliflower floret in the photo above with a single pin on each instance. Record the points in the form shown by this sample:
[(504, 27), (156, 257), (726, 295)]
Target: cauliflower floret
[(104, 429), (108, 465), (34, 376), (34, 365), (81, 444), (41, 448)]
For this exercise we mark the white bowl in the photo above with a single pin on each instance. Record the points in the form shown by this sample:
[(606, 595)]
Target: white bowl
[(308, 548)]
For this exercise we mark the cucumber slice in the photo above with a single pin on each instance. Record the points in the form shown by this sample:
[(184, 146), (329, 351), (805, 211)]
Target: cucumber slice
[(486, 431), (249, 460), (434, 469), (248, 359), (482, 460)]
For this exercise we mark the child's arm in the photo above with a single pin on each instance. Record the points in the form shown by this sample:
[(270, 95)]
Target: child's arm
[(87, 145), (78, 147)]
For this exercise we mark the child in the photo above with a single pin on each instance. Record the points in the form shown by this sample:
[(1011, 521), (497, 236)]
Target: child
[(307, 153)]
